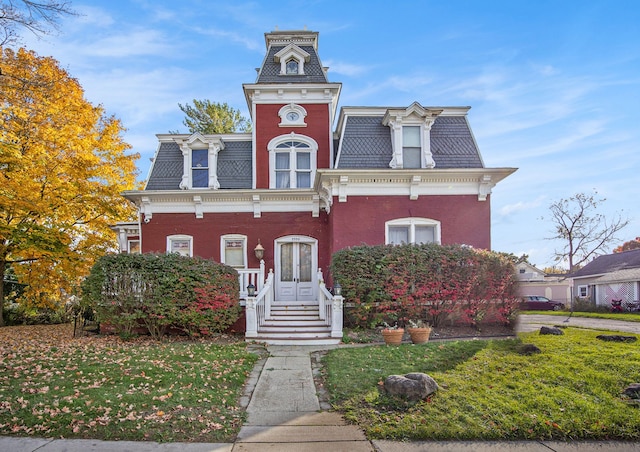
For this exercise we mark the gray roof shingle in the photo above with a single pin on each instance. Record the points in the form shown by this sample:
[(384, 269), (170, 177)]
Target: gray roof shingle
[(234, 166), (313, 72), (610, 263), (366, 143)]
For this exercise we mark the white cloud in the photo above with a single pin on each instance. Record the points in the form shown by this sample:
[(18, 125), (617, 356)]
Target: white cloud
[(348, 69), (521, 206)]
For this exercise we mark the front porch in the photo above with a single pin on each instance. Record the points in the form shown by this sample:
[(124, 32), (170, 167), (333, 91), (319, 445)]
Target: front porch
[(277, 322)]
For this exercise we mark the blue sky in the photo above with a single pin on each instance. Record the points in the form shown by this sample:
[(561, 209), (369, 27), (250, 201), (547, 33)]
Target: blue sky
[(554, 86)]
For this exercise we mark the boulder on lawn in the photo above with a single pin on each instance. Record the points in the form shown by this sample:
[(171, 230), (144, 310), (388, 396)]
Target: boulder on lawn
[(413, 387), (528, 349), (616, 338), (632, 391), (551, 330)]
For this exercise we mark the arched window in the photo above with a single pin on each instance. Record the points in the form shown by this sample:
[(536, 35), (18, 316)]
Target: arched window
[(292, 161)]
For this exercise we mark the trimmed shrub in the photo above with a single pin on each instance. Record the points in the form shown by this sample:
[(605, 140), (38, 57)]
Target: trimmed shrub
[(394, 284), (162, 291)]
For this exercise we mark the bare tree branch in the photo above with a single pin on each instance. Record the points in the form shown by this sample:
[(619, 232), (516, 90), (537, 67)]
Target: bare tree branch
[(39, 17), (586, 233)]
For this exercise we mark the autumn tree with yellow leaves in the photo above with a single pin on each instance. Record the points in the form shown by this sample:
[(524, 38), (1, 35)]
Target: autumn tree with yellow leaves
[(63, 165)]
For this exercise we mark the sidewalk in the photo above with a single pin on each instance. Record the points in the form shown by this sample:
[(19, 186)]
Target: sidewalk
[(285, 415)]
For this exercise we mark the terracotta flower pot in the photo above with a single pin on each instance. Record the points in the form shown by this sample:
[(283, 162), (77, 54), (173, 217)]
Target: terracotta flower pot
[(393, 337), (419, 335)]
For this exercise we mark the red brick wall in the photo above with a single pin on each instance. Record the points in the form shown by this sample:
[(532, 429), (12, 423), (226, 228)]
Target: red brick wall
[(361, 220), (206, 233), (266, 124)]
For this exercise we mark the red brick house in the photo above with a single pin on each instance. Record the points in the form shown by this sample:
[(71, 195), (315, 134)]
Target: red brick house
[(301, 190)]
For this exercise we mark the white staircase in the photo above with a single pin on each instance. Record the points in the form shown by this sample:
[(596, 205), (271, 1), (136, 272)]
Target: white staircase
[(295, 323)]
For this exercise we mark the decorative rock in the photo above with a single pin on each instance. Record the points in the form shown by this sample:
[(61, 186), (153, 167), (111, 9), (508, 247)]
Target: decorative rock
[(616, 338), (414, 386), (633, 391), (528, 349), (551, 330)]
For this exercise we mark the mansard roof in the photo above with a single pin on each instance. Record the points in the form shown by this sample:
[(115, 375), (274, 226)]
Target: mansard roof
[(365, 142), (307, 43), (234, 165)]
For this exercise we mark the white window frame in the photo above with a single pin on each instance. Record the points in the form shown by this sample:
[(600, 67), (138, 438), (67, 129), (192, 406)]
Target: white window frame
[(413, 116), (586, 291), (198, 142), (291, 52), (411, 223), (130, 243), (234, 237), (312, 150), (180, 238), (286, 121)]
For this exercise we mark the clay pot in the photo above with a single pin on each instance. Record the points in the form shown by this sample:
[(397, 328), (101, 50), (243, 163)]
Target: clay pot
[(419, 335), (393, 337)]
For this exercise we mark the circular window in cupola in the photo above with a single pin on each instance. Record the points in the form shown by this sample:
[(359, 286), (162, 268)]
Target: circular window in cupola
[(292, 115)]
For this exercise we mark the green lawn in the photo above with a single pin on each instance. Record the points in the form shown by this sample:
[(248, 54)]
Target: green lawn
[(103, 388), (572, 390)]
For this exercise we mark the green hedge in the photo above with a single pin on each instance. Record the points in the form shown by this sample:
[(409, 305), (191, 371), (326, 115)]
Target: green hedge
[(428, 282), (162, 291)]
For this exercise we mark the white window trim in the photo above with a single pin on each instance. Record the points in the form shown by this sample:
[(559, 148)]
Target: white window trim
[(177, 237), (271, 147), (586, 290), (412, 222), (292, 108), (414, 115), (225, 237), (132, 241), (291, 52), (198, 142)]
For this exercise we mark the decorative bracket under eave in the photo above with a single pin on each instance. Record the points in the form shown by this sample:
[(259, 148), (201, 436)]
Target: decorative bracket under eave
[(197, 201), (257, 210), (485, 187), (145, 208)]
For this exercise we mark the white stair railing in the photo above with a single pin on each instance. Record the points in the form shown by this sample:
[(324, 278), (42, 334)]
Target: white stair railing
[(331, 307), (258, 308), (248, 276)]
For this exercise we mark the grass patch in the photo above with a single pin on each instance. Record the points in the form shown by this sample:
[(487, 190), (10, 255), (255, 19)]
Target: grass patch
[(572, 390), (103, 388), (626, 316)]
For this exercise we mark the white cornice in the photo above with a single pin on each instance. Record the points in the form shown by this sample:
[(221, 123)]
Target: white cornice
[(329, 184), (202, 201), (413, 183), (286, 93)]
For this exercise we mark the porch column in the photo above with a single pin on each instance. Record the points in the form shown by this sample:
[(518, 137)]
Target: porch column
[(336, 316), (252, 318)]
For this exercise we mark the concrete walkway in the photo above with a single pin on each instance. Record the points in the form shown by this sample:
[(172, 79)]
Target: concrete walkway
[(533, 322), (285, 415)]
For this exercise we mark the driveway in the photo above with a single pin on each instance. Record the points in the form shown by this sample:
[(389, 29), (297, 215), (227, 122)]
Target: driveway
[(533, 322)]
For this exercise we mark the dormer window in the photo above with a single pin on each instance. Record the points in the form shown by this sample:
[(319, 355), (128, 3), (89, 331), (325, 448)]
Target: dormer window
[(411, 147), (410, 130), (292, 67), (200, 168), (200, 161), (292, 59)]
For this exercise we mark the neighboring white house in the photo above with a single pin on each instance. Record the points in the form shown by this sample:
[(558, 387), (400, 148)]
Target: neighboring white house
[(609, 277), (533, 281)]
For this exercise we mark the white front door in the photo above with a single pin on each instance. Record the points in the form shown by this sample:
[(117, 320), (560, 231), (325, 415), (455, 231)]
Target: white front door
[(296, 268)]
